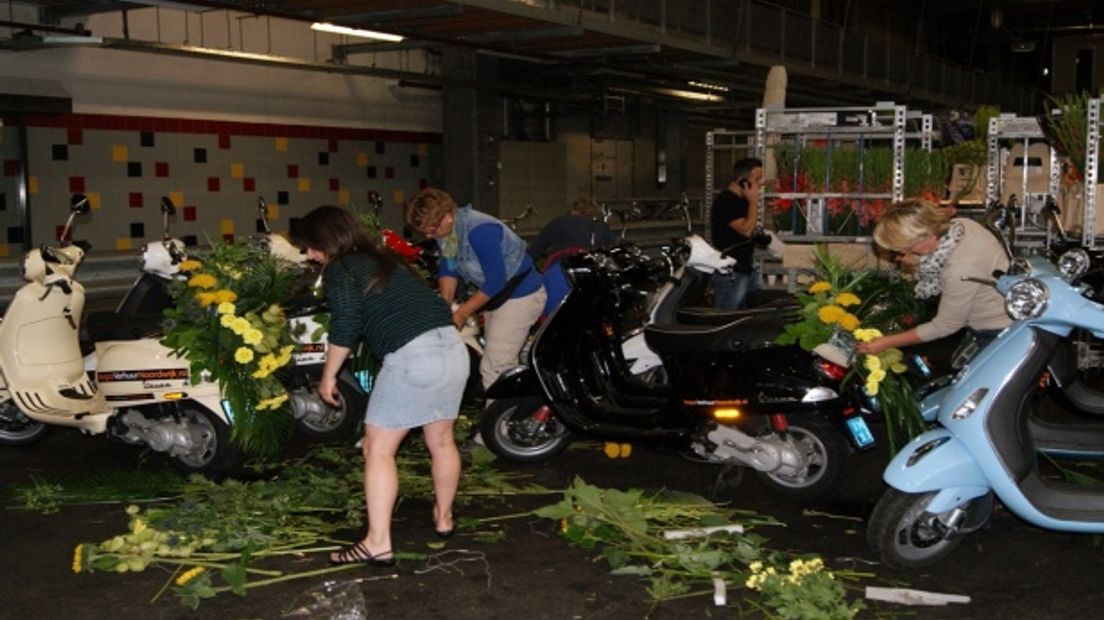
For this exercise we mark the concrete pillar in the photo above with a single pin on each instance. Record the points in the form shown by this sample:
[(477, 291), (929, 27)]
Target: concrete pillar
[(472, 120)]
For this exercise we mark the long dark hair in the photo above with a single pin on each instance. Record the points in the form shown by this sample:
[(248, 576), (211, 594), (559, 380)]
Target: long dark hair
[(337, 233)]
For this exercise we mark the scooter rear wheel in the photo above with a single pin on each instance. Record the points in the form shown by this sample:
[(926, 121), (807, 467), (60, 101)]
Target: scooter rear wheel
[(523, 430), (825, 451), (214, 453), (16, 429), (905, 535), (341, 422)]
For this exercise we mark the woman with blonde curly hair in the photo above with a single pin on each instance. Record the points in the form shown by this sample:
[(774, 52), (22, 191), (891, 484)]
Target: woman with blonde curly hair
[(485, 252), (945, 252)]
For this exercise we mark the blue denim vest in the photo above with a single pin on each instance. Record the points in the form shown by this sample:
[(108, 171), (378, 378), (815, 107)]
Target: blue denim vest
[(467, 262)]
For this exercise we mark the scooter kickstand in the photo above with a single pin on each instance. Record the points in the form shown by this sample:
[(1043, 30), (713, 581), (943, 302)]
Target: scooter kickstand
[(725, 478)]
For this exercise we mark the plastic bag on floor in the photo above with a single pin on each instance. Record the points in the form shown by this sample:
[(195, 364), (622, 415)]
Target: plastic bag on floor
[(333, 600)]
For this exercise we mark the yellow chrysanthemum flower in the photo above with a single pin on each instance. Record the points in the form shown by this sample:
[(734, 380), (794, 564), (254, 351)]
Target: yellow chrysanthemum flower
[(190, 265), (226, 295), (252, 336), (830, 314), (877, 374), (239, 325), (867, 334), (205, 299), (226, 320), (820, 287), (203, 281), (226, 308), (848, 321), (243, 355), (872, 362), (189, 575), (847, 299), (871, 388)]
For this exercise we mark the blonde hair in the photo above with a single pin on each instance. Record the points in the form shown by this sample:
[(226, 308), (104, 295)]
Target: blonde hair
[(586, 207), (909, 221), (427, 207)]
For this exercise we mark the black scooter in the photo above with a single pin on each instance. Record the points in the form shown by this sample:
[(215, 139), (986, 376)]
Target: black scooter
[(733, 397)]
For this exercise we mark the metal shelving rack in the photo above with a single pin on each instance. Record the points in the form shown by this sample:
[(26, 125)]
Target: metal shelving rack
[(860, 125), (1092, 166), (719, 141), (1031, 229)]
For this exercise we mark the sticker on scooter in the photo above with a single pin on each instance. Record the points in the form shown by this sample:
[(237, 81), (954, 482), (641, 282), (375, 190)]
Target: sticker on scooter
[(142, 375)]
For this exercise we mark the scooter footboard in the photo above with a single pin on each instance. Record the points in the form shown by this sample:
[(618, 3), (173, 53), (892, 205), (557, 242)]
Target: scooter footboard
[(937, 461)]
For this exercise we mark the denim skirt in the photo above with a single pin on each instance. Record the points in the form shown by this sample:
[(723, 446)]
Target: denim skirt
[(421, 382)]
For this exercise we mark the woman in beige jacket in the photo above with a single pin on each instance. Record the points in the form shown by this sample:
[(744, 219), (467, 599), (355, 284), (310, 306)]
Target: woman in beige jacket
[(945, 251)]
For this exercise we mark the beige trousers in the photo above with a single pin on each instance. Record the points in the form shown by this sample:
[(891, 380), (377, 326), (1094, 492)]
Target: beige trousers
[(505, 330)]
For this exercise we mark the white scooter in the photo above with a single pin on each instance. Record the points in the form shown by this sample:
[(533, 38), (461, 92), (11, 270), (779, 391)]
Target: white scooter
[(132, 389)]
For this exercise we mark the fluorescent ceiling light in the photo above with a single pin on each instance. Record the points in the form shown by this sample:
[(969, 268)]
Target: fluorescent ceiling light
[(710, 86), (688, 94), (355, 32)]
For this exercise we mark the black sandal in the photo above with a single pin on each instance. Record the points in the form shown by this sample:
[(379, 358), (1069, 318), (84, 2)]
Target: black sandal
[(358, 553)]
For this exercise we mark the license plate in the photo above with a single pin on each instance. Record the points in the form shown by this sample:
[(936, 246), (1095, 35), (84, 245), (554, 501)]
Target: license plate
[(860, 432)]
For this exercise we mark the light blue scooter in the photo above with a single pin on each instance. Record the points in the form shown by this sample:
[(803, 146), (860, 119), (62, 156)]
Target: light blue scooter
[(942, 484)]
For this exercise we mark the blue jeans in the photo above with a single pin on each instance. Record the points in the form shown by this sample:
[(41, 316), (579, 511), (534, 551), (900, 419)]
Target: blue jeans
[(730, 290)]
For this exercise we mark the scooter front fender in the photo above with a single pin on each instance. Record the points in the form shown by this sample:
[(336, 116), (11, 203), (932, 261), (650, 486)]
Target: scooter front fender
[(517, 382), (937, 461)]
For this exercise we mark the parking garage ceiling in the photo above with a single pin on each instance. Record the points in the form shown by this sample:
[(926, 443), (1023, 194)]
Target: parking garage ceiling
[(584, 51)]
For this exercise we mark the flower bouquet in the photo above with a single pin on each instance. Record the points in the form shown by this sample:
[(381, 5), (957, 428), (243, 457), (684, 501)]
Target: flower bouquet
[(845, 305), (229, 323)]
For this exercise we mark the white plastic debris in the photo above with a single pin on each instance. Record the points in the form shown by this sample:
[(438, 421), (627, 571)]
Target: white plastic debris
[(720, 592), (698, 532), (906, 596)]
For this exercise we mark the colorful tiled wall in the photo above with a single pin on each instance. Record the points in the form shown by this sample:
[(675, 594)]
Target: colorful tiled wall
[(213, 171)]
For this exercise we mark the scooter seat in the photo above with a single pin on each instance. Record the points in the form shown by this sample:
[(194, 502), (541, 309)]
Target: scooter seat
[(104, 326), (704, 315), (754, 331)]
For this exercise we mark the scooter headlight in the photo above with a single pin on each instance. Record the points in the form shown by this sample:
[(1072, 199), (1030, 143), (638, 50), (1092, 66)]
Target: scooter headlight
[(1073, 263), (1026, 299)]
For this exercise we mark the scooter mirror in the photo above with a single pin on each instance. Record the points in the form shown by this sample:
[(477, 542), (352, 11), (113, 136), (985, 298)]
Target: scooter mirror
[(79, 204), (262, 214), (167, 209)]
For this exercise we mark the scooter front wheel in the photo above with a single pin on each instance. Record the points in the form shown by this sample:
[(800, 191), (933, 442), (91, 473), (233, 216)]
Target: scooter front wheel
[(16, 429), (824, 452), (905, 535), (523, 430)]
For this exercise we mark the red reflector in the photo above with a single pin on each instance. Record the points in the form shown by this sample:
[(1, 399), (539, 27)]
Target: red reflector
[(778, 421), (832, 371), (541, 415), (848, 412)]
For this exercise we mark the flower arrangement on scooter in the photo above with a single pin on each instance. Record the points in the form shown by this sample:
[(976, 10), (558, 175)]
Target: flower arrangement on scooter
[(845, 305), (230, 325)]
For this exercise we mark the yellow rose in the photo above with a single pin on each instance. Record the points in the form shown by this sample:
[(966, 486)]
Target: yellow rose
[(243, 355), (849, 321), (226, 295), (848, 299), (829, 314), (202, 280), (820, 287), (190, 265), (225, 308)]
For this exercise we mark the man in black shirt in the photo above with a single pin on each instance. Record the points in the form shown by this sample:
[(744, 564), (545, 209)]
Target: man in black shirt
[(734, 218)]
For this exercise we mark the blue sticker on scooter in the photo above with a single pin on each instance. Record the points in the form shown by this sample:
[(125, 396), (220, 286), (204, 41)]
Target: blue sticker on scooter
[(860, 432)]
